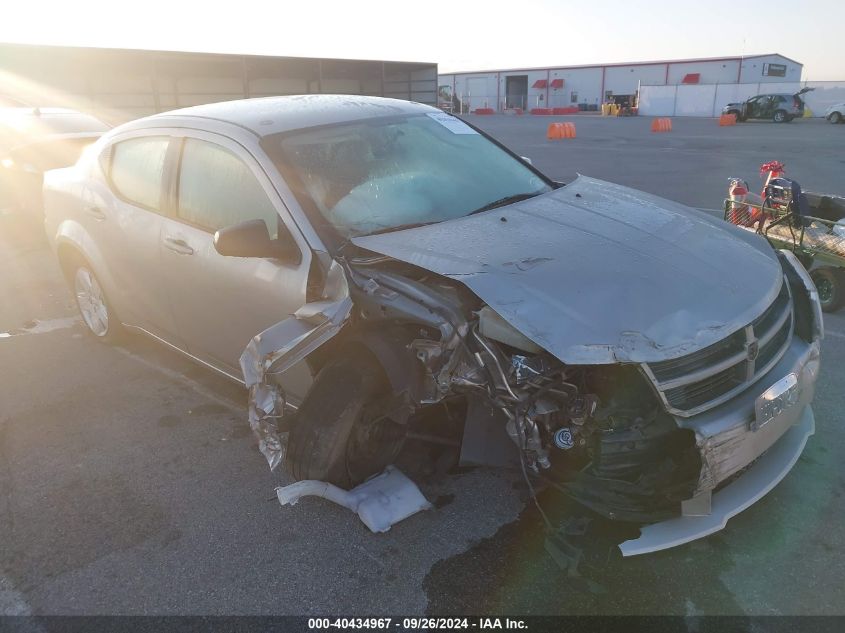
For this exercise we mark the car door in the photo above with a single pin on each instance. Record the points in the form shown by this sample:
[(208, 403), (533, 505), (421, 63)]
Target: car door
[(752, 108), (124, 210), (768, 106), (220, 303)]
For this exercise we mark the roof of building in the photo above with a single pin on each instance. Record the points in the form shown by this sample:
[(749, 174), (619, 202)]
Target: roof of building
[(102, 51), (609, 65)]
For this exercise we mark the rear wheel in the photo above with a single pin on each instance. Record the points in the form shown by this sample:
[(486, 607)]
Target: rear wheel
[(93, 306), (779, 116), (335, 436), (829, 285)]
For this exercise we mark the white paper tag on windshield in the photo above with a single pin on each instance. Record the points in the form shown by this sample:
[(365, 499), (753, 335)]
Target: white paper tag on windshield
[(453, 124)]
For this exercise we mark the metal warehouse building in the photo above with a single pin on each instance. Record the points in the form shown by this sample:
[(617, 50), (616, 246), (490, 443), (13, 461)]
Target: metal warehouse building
[(118, 84), (589, 86)]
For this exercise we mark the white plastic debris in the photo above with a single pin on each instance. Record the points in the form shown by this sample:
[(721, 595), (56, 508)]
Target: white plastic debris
[(380, 502)]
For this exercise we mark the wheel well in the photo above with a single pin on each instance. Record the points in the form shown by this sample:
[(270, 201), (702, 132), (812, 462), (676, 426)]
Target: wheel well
[(69, 256), (339, 347), (388, 347)]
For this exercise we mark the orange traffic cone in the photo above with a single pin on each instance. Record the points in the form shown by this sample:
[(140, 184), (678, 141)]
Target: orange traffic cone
[(560, 130), (661, 125)]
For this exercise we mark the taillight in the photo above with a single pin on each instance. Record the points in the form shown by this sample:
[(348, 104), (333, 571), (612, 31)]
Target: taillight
[(796, 103)]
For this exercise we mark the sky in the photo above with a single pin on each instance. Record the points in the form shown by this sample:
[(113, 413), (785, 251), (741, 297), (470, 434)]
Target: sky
[(457, 34)]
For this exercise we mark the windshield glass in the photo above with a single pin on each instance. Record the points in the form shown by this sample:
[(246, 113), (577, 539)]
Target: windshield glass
[(392, 173)]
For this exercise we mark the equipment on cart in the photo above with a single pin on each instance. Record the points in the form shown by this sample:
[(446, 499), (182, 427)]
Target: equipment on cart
[(811, 225)]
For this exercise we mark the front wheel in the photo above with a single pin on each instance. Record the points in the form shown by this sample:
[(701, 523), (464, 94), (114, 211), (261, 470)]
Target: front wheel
[(830, 288), (335, 435), (779, 117), (835, 117)]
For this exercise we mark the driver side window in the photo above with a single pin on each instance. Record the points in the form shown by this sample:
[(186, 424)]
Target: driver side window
[(217, 189)]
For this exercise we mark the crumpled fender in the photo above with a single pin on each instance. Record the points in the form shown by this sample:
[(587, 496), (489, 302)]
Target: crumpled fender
[(281, 346)]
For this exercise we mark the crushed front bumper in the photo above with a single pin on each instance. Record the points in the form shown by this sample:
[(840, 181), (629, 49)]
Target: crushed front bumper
[(734, 450)]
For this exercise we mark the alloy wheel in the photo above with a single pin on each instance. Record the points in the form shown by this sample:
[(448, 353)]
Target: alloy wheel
[(91, 302)]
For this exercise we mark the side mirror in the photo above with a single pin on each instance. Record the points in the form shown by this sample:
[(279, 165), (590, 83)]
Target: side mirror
[(252, 239)]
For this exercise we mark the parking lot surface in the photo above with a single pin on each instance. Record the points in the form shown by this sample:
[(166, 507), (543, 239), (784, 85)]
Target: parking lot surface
[(130, 483)]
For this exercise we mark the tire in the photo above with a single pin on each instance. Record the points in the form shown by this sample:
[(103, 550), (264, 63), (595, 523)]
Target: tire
[(779, 116), (830, 287), (97, 314), (332, 438), (835, 117)]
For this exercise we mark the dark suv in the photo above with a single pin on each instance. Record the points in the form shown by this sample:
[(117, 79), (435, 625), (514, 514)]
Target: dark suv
[(780, 108)]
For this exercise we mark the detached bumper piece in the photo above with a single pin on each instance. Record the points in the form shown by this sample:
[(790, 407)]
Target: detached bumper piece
[(380, 502), (763, 475)]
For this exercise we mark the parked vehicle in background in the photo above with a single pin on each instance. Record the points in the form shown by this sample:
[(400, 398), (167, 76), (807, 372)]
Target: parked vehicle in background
[(35, 140), (780, 108), (11, 102), (836, 113), (373, 260)]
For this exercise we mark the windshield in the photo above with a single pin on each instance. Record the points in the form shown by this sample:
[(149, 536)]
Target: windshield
[(391, 173)]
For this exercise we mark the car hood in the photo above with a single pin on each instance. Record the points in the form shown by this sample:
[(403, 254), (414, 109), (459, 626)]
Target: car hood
[(599, 273)]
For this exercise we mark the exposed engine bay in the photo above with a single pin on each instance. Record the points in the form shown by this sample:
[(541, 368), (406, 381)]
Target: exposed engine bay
[(599, 433)]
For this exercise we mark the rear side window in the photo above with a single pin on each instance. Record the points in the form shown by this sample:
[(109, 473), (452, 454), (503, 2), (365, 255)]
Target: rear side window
[(136, 170), (217, 189)]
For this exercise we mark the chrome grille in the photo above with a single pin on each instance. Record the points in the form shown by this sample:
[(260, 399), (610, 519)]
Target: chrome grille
[(710, 376)]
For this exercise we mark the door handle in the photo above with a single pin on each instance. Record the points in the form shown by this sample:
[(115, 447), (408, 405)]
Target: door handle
[(96, 213), (178, 246)]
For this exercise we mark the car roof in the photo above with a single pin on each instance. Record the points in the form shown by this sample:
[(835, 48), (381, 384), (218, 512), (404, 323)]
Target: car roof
[(270, 115)]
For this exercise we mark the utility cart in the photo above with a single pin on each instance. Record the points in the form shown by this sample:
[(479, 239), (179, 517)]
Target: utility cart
[(811, 225)]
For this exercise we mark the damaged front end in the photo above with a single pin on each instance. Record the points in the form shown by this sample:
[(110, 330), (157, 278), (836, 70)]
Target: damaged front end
[(675, 399), (598, 432)]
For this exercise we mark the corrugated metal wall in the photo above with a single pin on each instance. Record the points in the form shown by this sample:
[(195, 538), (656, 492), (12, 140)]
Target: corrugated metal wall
[(708, 100), (118, 85)]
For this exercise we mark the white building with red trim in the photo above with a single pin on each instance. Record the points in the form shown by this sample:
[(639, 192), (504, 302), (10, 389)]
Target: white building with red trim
[(586, 87)]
